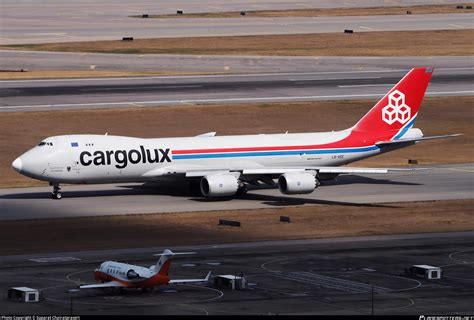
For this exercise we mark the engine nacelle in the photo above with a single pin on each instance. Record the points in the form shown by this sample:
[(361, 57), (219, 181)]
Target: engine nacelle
[(219, 185), (131, 274), (297, 183)]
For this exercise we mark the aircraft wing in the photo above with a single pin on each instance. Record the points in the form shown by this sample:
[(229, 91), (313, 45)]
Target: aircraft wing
[(250, 168), (190, 281), (192, 172), (339, 170), (110, 284)]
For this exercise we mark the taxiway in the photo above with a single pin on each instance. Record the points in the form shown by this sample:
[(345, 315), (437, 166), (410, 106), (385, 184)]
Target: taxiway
[(323, 276), (445, 182)]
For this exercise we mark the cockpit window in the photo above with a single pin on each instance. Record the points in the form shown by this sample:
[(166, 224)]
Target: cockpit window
[(44, 143)]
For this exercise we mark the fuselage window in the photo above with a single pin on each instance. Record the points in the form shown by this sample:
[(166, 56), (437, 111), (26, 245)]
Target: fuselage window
[(42, 143)]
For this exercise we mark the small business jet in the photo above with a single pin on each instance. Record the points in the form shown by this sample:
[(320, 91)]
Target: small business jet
[(225, 165), (114, 274)]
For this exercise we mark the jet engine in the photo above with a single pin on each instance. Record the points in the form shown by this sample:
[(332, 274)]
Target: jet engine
[(297, 183), (219, 185), (131, 274)]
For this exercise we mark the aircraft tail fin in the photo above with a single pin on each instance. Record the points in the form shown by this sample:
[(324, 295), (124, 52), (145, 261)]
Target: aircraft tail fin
[(163, 264), (396, 112)]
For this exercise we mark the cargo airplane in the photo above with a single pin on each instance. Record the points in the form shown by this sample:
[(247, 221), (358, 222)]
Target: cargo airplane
[(224, 165), (114, 274)]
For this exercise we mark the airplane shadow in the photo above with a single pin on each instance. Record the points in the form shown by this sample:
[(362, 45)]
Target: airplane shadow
[(183, 190), (286, 201), (353, 179), (121, 190)]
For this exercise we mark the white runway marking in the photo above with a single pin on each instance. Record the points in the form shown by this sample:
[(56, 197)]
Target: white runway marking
[(54, 259), (285, 98), (367, 85), (46, 34), (360, 78), (224, 75), (145, 87)]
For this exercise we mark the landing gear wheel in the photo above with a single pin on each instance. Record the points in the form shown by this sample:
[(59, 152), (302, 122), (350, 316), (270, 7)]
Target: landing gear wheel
[(56, 194), (242, 190)]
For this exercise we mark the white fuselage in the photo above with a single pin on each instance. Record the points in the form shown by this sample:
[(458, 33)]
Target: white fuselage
[(108, 159)]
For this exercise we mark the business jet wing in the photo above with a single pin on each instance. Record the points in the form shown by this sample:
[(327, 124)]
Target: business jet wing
[(191, 281), (110, 284)]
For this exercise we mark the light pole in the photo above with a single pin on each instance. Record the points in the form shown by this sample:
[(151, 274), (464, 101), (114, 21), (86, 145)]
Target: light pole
[(71, 293)]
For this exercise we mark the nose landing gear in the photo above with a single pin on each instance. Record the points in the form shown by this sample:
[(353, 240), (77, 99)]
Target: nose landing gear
[(56, 194)]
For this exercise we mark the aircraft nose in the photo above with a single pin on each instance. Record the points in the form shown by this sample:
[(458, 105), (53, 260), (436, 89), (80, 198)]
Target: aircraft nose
[(17, 164)]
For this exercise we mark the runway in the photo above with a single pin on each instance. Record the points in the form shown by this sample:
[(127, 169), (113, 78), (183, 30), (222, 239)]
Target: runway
[(315, 276), (63, 94), (49, 21), (444, 182)]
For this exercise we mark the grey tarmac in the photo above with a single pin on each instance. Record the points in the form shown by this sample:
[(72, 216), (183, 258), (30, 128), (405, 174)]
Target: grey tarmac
[(49, 22), (443, 182), (62, 94), (228, 64), (315, 276)]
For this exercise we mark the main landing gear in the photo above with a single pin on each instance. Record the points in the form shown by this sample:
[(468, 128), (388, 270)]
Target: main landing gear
[(56, 194), (242, 190)]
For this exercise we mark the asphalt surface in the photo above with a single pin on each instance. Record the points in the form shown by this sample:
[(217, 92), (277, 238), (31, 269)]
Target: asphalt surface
[(323, 276), (38, 60), (63, 94), (50, 21), (445, 182)]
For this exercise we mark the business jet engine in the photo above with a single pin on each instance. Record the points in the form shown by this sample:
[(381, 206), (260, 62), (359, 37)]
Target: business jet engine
[(131, 274)]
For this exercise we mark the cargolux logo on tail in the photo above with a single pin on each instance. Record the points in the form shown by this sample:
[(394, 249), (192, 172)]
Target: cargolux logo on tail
[(396, 110)]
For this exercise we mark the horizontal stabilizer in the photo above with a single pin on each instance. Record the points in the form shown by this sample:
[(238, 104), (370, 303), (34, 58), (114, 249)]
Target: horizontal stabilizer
[(173, 253), (110, 284), (411, 140)]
